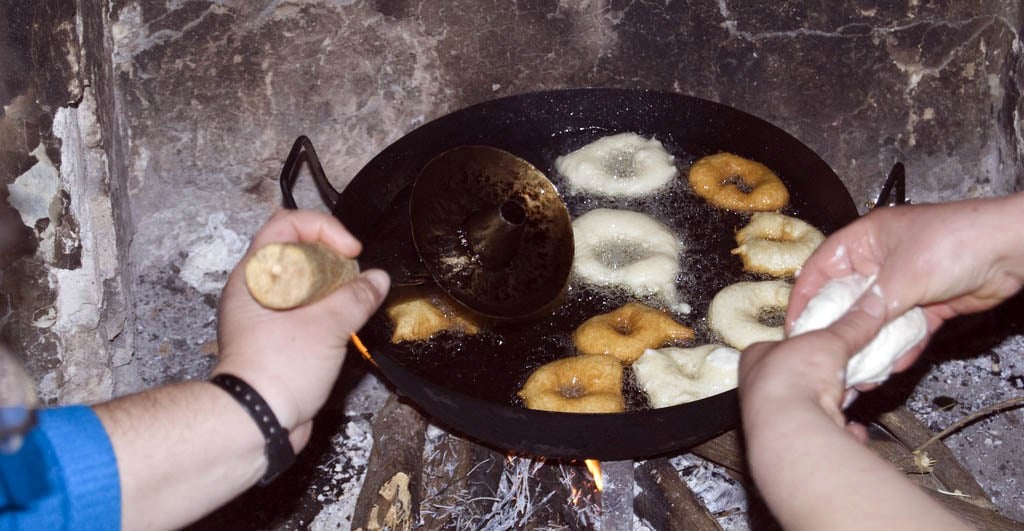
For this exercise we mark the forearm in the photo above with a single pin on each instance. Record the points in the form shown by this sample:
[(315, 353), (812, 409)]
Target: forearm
[(1006, 216), (182, 451), (814, 475)]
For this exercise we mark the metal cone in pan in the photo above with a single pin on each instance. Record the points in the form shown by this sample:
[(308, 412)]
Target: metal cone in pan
[(493, 232)]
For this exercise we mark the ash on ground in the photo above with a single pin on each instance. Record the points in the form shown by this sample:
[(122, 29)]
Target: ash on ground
[(988, 448)]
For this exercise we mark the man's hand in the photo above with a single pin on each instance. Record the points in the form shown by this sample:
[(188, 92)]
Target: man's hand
[(950, 259), (292, 358)]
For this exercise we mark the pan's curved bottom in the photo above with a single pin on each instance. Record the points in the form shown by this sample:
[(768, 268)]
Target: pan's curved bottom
[(636, 434)]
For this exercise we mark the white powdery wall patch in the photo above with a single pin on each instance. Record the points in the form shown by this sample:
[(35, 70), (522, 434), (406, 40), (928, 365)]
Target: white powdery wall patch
[(86, 330), (215, 252), (77, 317)]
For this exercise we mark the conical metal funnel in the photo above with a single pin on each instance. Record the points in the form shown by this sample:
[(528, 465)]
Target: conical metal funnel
[(493, 232)]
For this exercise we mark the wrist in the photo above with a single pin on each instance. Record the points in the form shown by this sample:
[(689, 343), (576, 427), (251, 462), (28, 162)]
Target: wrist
[(277, 446), (1012, 251), (986, 231), (281, 404)]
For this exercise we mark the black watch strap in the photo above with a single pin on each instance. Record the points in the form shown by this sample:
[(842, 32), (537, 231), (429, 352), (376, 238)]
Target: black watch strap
[(280, 455)]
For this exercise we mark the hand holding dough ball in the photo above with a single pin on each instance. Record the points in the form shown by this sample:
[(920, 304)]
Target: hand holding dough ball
[(873, 363)]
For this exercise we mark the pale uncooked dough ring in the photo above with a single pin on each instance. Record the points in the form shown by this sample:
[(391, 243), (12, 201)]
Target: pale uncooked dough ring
[(776, 244), (628, 250), (591, 383), (622, 165), (874, 363), (735, 312), (673, 376)]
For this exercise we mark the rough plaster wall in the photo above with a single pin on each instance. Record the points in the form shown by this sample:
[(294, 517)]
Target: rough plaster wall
[(60, 277)]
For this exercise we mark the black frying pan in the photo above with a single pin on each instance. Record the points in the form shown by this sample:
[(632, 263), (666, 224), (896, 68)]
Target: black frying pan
[(468, 384)]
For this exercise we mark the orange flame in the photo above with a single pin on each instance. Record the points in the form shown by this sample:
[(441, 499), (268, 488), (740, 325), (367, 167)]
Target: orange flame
[(362, 349), (594, 466)]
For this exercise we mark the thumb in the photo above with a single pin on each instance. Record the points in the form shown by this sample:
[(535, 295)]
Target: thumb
[(352, 304), (859, 324)]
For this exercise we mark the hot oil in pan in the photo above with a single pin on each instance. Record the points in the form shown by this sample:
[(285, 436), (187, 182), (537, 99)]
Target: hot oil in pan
[(494, 364)]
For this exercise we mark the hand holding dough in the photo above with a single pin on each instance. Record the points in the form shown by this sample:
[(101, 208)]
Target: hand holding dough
[(873, 363)]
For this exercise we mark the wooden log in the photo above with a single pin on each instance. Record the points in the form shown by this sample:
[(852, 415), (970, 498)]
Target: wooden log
[(947, 470), (390, 498), (460, 482), (725, 450), (891, 440), (977, 517), (282, 276), (894, 451), (666, 502)]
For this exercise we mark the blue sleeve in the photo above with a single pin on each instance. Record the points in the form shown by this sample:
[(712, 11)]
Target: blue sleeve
[(63, 477)]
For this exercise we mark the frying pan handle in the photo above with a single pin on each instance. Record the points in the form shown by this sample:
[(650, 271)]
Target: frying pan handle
[(897, 180), (290, 172)]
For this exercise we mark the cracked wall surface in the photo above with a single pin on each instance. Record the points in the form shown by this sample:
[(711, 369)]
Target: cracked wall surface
[(61, 293)]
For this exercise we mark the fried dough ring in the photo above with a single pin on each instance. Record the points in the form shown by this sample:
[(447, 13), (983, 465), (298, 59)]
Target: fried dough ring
[(711, 178), (420, 313), (735, 311), (776, 244), (591, 383), (626, 332)]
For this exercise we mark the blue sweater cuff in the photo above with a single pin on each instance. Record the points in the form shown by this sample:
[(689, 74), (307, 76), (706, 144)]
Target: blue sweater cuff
[(87, 465)]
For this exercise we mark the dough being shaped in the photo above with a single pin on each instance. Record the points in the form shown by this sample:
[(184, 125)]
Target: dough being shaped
[(874, 363)]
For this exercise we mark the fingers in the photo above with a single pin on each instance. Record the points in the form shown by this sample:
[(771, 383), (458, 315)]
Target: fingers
[(855, 249), (849, 397), (752, 356), (816, 271), (307, 226)]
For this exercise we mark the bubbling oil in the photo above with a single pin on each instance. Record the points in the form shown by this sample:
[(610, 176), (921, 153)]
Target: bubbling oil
[(620, 164), (494, 364), (619, 254)]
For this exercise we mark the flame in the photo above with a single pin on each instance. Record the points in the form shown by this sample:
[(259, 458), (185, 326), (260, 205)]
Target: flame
[(594, 466), (362, 349)]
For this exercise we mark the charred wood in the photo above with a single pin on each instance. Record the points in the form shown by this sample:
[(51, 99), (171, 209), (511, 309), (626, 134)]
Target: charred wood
[(390, 495), (666, 502)]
